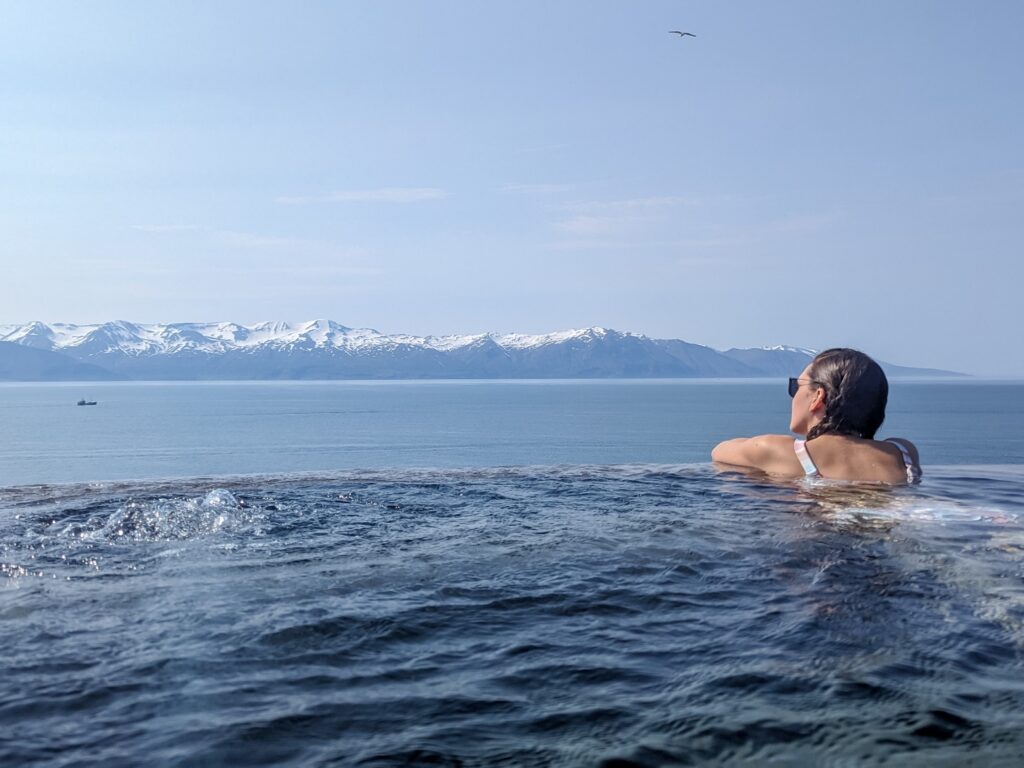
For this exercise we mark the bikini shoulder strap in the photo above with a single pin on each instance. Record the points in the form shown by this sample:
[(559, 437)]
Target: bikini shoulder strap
[(800, 448), (913, 471)]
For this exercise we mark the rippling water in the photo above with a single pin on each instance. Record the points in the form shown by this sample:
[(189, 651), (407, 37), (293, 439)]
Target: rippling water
[(624, 615)]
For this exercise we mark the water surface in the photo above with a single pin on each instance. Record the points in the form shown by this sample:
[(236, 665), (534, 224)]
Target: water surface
[(588, 615), (480, 574), (156, 430)]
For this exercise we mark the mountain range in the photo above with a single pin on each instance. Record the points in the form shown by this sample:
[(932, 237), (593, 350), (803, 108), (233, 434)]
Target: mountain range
[(323, 349)]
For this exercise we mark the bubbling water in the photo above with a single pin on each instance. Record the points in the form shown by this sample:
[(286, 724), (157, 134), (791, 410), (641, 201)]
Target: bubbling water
[(171, 519)]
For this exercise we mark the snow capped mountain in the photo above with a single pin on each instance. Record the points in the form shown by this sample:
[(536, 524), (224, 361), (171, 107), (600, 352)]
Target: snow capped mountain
[(35, 335), (216, 338), (324, 349), (782, 348)]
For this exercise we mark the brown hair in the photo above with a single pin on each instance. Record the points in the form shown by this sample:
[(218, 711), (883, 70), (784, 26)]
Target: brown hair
[(856, 392)]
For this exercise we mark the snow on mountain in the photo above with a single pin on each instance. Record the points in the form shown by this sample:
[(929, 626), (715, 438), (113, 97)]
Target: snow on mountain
[(326, 349), (782, 348), (522, 341), (35, 335), (155, 339), (449, 343)]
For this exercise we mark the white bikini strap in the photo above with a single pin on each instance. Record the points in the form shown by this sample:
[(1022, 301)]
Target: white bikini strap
[(800, 448), (913, 471)]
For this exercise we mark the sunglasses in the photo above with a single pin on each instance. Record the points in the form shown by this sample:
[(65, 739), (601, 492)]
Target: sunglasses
[(794, 385)]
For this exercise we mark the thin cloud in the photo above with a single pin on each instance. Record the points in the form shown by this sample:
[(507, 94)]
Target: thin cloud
[(383, 195), (538, 189), (650, 222), (543, 148), (594, 244), (637, 243), (291, 271), (713, 242), (800, 224), (275, 271), (697, 261), (630, 205), (167, 228), (256, 241), (599, 219), (594, 226), (251, 240)]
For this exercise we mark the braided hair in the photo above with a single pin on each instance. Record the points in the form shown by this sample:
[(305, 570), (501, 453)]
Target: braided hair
[(856, 392)]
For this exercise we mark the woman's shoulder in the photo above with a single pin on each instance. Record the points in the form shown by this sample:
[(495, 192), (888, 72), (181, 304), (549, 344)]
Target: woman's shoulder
[(770, 453), (907, 446), (890, 461)]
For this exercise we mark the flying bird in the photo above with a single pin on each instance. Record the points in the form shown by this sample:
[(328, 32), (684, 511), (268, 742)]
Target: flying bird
[(681, 34)]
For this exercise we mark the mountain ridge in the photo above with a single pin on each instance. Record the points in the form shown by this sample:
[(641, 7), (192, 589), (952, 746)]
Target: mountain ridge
[(329, 350)]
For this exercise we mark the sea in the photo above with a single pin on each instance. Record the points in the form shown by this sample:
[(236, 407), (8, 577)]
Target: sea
[(528, 573)]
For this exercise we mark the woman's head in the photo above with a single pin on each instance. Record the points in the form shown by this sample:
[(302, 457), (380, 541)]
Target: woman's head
[(846, 391)]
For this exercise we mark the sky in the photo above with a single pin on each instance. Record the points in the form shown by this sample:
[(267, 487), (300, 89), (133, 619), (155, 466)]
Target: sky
[(802, 173)]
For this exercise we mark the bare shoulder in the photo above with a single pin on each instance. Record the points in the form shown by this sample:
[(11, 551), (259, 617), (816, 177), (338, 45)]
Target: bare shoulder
[(770, 453), (911, 448)]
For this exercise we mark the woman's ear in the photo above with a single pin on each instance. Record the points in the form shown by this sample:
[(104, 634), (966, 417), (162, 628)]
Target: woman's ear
[(818, 403)]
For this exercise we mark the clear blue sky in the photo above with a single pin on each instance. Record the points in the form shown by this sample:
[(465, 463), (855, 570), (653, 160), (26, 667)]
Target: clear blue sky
[(806, 173)]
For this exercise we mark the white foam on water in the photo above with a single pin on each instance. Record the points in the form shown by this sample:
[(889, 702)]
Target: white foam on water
[(173, 519)]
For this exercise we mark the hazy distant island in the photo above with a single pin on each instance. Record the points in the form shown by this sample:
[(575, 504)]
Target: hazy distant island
[(323, 349)]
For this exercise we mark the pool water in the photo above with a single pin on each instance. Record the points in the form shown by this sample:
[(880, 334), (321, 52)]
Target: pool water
[(616, 615)]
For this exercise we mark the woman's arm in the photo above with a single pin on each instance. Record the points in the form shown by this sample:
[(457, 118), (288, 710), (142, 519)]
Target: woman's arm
[(769, 453)]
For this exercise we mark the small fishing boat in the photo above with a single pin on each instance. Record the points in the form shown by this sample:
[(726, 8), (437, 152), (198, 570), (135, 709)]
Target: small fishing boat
[(86, 402)]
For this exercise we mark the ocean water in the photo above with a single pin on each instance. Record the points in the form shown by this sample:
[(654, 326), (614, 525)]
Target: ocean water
[(508, 574), (200, 429)]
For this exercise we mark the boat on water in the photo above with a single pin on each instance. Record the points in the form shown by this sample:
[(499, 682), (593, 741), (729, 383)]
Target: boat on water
[(86, 402)]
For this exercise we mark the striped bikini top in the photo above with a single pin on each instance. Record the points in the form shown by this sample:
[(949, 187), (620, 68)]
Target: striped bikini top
[(810, 470)]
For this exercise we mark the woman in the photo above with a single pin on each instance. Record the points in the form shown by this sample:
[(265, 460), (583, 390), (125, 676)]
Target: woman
[(839, 404)]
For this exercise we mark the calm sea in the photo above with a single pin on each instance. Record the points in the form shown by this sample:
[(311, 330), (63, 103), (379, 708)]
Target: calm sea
[(482, 574), (190, 429)]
